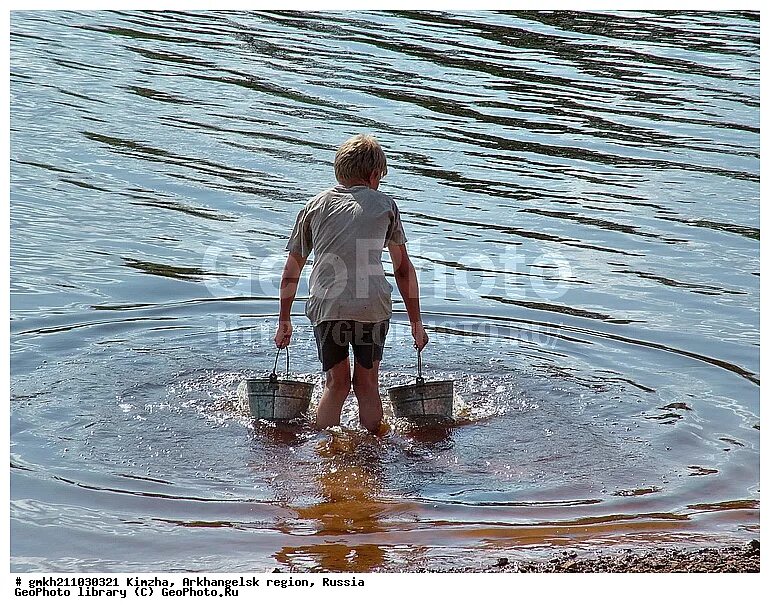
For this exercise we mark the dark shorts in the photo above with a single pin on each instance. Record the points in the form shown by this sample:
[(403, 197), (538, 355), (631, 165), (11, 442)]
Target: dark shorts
[(334, 337)]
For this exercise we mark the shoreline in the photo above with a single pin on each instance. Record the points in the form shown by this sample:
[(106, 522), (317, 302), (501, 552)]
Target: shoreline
[(733, 559)]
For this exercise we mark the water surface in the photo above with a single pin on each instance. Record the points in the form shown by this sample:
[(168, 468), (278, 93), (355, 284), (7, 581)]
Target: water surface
[(581, 196)]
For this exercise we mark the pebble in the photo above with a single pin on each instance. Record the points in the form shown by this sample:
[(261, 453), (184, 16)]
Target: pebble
[(743, 559)]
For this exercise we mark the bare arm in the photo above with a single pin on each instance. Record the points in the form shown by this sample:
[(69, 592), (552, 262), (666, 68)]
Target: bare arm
[(406, 280), (289, 281)]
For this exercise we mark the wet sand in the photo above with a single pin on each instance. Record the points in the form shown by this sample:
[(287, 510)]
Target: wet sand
[(743, 559)]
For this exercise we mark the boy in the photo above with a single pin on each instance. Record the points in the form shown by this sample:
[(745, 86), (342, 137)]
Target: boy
[(348, 226)]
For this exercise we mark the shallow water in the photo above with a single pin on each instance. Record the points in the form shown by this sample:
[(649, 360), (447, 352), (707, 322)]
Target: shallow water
[(581, 195)]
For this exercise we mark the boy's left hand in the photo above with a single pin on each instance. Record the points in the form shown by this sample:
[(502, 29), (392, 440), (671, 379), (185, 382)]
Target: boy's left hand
[(419, 335), (283, 334)]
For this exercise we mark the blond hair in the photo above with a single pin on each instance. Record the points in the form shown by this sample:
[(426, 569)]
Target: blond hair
[(358, 157)]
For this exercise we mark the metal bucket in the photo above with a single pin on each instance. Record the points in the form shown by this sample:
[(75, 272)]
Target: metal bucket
[(275, 399), (421, 400)]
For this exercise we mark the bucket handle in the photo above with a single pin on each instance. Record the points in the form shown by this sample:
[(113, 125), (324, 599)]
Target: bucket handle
[(420, 379), (273, 375)]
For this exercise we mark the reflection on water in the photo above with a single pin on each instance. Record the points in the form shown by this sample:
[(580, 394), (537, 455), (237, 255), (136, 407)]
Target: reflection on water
[(348, 485), (581, 197)]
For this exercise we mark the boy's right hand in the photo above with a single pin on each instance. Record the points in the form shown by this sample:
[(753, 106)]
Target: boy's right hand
[(419, 335), (283, 334)]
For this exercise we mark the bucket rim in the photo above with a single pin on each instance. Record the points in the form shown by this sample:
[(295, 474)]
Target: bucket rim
[(423, 384), (268, 380)]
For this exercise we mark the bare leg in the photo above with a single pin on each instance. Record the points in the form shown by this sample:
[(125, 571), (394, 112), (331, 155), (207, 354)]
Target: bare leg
[(336, 389), (366, 386)]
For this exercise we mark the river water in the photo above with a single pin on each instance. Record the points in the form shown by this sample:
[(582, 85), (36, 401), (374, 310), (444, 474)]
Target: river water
[(580, 192)]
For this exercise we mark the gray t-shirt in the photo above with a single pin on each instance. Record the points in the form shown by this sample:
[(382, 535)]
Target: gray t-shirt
[(348, 227)]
